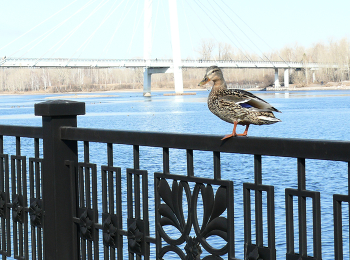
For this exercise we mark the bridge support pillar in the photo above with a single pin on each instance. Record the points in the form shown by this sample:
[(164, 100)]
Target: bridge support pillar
[(277, 82), (179, 88), (147, 75), (286, 78)]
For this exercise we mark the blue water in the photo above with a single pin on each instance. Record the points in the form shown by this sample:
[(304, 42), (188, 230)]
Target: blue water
[(305, 114)]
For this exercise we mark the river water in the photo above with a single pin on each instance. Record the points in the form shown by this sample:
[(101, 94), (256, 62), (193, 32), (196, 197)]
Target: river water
[(305, 114)]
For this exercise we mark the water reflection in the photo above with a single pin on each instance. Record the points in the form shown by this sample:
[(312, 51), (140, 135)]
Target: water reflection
[(309, 115)]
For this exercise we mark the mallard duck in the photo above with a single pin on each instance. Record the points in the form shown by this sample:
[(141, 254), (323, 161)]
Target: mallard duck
[(236, 106)]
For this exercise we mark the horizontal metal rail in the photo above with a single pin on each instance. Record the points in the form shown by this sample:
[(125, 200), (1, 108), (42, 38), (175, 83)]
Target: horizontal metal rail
[(21, 131), (297, 148)]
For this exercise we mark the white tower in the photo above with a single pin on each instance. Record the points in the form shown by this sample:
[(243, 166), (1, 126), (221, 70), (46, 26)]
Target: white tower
[(147, 50), (175, 40), (147, 46)]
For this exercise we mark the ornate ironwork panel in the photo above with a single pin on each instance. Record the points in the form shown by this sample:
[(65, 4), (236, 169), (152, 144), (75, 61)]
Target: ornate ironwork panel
[(87, 214), (36, 210), (301, 193), (258, 250), (138, 222), (5, 236), (112, 212), (19, 206), (338, 223), (191, 236)]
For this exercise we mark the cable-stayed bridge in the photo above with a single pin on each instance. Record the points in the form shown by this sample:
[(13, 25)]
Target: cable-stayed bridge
[(150, 65), (153, 66)]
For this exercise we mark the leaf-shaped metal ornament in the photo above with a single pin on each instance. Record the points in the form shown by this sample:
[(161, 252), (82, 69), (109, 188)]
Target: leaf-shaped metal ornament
[(208, 202), (217, 226), (167, 212), (220, 203), (165, 193)]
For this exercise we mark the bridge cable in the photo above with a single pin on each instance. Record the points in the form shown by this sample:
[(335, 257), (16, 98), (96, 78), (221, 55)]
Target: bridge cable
[(49, 32), (238, 39), (244, 34), (70, 34), (38, 25), (93, 33), (136, 25), (107, 46), (221, 31), (252, 31), (155, 24), (238, 28), (168, 27), (188, 28), (88, 40)]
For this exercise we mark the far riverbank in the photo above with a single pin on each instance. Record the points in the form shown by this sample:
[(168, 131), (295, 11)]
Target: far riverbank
[(292, 87)]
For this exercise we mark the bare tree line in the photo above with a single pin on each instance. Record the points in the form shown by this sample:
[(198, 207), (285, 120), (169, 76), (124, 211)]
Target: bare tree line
[(92, 79)]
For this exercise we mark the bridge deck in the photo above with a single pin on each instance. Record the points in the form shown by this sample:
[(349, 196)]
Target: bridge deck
[(132, 63)]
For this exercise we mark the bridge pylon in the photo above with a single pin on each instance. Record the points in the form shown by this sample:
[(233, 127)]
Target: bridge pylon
[(175, 40)]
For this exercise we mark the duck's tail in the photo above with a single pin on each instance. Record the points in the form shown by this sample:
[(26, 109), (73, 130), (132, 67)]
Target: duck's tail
[(269, 120)]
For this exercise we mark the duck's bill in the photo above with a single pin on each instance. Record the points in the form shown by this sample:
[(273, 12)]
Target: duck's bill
[(204, 81)]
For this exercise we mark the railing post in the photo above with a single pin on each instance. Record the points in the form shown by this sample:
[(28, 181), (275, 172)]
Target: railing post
[(60, 239)]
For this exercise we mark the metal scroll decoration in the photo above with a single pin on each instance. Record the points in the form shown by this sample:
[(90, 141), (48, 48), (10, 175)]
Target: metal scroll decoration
[(215, 221)]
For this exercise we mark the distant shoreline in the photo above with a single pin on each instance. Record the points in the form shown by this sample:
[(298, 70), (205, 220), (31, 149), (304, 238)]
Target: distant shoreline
[(86, 93)]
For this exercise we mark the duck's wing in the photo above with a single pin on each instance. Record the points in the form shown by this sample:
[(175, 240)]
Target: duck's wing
[(247, 100)]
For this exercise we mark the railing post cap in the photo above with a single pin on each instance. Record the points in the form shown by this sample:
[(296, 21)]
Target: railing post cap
[(59, 108)]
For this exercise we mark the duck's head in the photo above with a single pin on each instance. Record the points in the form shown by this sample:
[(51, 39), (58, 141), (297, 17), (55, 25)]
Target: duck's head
[(214, 74)]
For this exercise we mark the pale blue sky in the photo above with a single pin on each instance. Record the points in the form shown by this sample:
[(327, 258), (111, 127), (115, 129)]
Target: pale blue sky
[(278, 23)]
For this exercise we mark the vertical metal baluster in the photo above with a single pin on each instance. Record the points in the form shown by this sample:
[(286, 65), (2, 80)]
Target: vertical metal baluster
[(13, 186), (137, 202), (82, 205), (88, 206), (338, 230), (316, 208), (137, 196), (19, 188), (37, 178), (19, 192), (25, 202), (258, 201), (136, 154), (36, 147), (1, 144), (118, 198), (145, 212), (110, 154), (104, 203), (247, 216), (189, 155), (3, 245), (32, 164), (18, 145), (95, 238), (130, 208), (302, 208), (86, 151), (87, 191), (166, 168), (5, 182), (108, 252), (217, 167)]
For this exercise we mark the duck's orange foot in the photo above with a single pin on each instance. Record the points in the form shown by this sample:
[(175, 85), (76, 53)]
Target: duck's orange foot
[(227, 136)]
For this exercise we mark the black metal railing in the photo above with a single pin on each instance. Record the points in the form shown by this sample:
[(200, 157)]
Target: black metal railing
[(71, 208)]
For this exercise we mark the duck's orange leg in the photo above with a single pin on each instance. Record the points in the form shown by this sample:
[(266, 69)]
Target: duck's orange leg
[(234, 131)]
